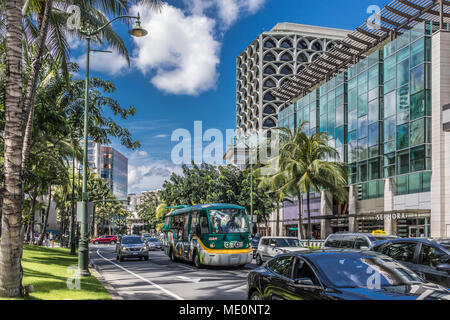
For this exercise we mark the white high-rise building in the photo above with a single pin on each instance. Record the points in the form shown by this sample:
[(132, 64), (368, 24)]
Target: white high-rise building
[(267, 63)]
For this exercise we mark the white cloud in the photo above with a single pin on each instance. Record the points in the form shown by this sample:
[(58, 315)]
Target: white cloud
[(228, 11), (160, 136), (109, 63), (181, 52), (145, 173), (181, 49)]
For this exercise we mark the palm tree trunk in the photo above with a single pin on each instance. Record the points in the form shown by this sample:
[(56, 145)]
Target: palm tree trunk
[(32, 83), (12, 237), (309, 215), (300, 216), (33, 206), (44, 226), (278, 219)]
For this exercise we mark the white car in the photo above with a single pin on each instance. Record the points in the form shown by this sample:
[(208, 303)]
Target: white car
[(269, 247)]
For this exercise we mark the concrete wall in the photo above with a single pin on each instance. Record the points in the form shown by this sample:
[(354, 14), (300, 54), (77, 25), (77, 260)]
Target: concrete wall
[(440, 177)]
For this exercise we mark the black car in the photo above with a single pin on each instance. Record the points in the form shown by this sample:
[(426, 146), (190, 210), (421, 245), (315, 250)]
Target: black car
[(255, 242), (427, 258), (339, 274)]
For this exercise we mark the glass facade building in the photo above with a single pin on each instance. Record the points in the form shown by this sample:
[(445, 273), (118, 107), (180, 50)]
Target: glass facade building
[(377, 115), (114, 170)]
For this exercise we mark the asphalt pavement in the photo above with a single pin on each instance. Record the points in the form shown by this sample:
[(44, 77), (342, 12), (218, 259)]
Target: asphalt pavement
[(160, 278)]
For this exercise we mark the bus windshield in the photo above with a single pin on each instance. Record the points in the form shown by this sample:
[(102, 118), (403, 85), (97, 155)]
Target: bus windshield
[(228, 221)]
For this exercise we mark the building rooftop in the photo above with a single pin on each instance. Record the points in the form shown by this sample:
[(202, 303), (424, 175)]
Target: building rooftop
[(393, 20), (313, 31)]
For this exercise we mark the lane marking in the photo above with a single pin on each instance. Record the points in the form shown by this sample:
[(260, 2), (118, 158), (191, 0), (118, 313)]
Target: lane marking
[(142, 278), (195, 280)]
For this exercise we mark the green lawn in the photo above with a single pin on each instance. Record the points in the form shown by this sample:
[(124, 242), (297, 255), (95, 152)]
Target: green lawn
[(48, 270)]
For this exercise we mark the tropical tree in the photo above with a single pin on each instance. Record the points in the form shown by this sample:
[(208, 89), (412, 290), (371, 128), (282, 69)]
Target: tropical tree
[(146, 210), (306, 164), (38, 24)]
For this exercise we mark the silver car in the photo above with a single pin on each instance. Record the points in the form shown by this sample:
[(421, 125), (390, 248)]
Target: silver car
[(132, 247), (153, 243)]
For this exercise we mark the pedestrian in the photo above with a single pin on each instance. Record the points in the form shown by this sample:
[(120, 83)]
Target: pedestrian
[(52, 239), (36, 238)]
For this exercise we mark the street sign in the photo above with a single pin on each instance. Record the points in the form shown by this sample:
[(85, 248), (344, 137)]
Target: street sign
[(255, 218), (90, 207)]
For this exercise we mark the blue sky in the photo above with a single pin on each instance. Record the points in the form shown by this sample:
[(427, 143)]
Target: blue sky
[(184, 70)]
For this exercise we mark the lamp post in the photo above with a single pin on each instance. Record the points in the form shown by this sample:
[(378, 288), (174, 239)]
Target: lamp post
[(83, 249)]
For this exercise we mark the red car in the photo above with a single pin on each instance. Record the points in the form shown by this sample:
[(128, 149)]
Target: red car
[(105, 239)]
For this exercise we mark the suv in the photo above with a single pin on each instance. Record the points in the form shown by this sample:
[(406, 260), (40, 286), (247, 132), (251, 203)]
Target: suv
[(105, 239), (350, 240), (269, 247), (427, 258), (132, 247)]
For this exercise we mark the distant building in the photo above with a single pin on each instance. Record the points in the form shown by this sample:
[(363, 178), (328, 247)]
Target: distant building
[(113, 168)]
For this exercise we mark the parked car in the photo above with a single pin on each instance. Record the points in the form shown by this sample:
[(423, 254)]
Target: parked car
[(445, 243), (153, 243), (254, 244), (118, 236), (354, 240), (132, 247), (269, 247), (427, 258), (339, 274), (105, 239)]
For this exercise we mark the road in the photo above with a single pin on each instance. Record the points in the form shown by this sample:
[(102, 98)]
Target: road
[(160, 278)]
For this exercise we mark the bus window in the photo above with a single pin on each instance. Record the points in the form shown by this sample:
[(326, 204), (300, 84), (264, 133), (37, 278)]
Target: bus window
[(195, 224), (185, 226), (204, 226), (228, 221)]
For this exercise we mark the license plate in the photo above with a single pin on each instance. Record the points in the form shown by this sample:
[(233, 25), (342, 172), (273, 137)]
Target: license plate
[(135, 252)]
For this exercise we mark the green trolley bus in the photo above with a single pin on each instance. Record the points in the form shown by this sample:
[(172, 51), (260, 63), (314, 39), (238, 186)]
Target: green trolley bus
[(208, 234)]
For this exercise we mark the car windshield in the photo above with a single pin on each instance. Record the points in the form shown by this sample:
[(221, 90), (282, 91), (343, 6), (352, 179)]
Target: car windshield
[(371, 272), (228, 221), (132, 240), (288, 242)]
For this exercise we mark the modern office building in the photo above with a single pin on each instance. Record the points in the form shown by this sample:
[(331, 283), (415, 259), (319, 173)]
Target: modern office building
[(114, 169), (381, 103)]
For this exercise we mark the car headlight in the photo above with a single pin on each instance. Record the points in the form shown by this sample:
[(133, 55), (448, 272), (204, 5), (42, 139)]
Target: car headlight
[(143, 248), (124, 248)]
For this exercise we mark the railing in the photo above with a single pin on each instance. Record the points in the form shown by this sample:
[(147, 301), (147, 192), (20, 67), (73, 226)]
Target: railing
[(312, 243)]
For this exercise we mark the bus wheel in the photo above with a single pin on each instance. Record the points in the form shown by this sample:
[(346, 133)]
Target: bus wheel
[(196, 259)]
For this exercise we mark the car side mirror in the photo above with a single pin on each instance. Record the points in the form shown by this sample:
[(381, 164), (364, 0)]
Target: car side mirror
[(303, 282), (443, 267)]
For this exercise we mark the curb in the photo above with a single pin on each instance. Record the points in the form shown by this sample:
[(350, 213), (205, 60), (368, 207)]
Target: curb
[(95, 270)]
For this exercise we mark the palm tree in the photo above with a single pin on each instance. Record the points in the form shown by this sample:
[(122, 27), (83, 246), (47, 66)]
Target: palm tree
[(310, 161), (11, 244), (47, 38), (284, 181)]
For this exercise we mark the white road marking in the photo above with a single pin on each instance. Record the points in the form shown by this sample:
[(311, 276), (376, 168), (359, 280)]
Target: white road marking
[(240, 288), (143, 279), (195, 280)]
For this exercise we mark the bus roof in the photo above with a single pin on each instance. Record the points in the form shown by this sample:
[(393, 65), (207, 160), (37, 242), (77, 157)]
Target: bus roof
[(205, 206)]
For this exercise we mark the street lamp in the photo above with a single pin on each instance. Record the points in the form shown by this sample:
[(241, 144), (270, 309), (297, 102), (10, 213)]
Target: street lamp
[(83, 249)]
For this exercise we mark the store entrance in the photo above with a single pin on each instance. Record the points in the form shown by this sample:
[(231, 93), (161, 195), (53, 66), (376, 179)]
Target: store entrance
[(416, 231)]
